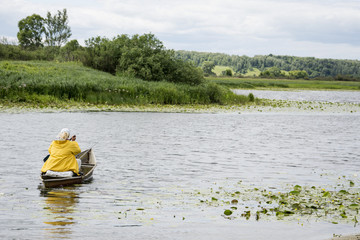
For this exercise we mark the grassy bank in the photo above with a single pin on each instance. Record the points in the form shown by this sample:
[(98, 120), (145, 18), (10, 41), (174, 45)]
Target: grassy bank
[(44, 82), (260, 83)]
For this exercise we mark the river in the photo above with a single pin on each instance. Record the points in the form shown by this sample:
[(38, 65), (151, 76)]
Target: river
[(150, 165)]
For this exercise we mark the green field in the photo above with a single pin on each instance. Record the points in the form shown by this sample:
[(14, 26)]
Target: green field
[(254, 72), (261, 83), (48, 82), (219, 69)]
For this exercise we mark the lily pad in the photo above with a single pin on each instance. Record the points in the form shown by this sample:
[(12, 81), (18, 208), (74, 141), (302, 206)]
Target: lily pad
[(228, 212)]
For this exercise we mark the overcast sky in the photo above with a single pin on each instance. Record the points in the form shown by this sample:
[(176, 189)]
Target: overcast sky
[(315, 28)]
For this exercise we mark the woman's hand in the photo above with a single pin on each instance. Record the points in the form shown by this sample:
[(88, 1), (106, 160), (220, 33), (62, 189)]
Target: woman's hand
[(73, 138)]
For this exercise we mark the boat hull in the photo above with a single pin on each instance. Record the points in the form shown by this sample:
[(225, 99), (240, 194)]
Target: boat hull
[(88, 164)]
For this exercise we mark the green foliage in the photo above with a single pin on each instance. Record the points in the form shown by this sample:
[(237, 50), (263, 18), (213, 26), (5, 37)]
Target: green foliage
[(30, 32), (227, 73), (252, 83), (244, 64), (207, 67), (142, 57), (273, 72), (28, 81), (251, 97), (15, 52), (57, 30), (72, 51), (299, 203), (296, 74)]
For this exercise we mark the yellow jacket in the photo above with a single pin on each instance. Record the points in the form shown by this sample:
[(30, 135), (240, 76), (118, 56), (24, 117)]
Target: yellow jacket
[(62, 157)]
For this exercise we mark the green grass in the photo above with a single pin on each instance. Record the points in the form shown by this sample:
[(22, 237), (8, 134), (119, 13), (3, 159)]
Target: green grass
[(260, 83), (252, 73), (44, 82), (219, 69)]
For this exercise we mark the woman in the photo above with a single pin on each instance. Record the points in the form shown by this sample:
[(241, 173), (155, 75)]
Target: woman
[(62, 154)]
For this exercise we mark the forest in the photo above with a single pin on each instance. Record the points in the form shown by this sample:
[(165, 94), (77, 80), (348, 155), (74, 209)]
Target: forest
[(314, 67)]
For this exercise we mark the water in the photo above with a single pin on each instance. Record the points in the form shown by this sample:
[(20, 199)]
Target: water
[(306, 95), (149, 164)]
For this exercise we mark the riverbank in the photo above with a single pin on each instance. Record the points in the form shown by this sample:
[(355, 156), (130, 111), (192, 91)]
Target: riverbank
[(47, 82), (270, 106), (284, 84)]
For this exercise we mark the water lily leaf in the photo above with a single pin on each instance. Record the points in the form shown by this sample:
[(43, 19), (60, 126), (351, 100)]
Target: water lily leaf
[(352, 184), (228, 212), (287, 213), (297, 188), (343, 192), (274, 197), (326, 194), (295, 192), (296, 206), (279, 214), (214, 199), (354, 206), (313, 207)]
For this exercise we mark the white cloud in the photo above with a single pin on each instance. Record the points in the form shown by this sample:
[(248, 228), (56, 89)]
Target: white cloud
[(326, 28)]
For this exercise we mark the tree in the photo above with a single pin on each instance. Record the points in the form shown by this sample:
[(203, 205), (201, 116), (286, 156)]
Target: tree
[(298, 74), (272, 73), (71, 51), (227, 73), (57, 29), (207, 67), (142, 56), (30, 32)]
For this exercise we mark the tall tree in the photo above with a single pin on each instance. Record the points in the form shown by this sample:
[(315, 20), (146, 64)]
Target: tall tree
[(30, 32), (57, 29), (207, 67)]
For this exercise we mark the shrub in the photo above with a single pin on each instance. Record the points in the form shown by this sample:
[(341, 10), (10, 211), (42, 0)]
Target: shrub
[(142, 57)]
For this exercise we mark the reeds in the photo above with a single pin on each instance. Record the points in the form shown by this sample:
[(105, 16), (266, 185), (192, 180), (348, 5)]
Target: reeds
[(253, 83), (45, 81)]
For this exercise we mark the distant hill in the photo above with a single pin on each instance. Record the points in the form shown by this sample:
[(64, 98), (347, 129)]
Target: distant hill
[(315, 67)]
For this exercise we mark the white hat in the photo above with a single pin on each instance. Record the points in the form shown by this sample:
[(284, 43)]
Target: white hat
[(63, 135)]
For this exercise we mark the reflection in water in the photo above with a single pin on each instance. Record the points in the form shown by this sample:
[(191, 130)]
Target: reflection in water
[(60, 205)]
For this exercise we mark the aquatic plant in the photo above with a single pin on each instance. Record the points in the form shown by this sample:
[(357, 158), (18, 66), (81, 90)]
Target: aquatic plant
[(296, 203)]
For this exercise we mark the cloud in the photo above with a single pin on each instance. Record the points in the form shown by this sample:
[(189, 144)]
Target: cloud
[(232, 26)]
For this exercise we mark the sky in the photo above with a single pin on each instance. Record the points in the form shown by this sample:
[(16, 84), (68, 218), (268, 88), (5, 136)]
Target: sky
[(305, 28)]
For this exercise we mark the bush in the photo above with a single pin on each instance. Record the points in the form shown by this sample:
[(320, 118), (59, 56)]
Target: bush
[(142, 57)]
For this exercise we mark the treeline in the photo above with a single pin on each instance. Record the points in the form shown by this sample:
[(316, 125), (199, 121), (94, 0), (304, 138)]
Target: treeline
[(314, 67)]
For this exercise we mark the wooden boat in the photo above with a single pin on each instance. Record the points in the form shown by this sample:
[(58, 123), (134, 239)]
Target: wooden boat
[(88, 164)]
